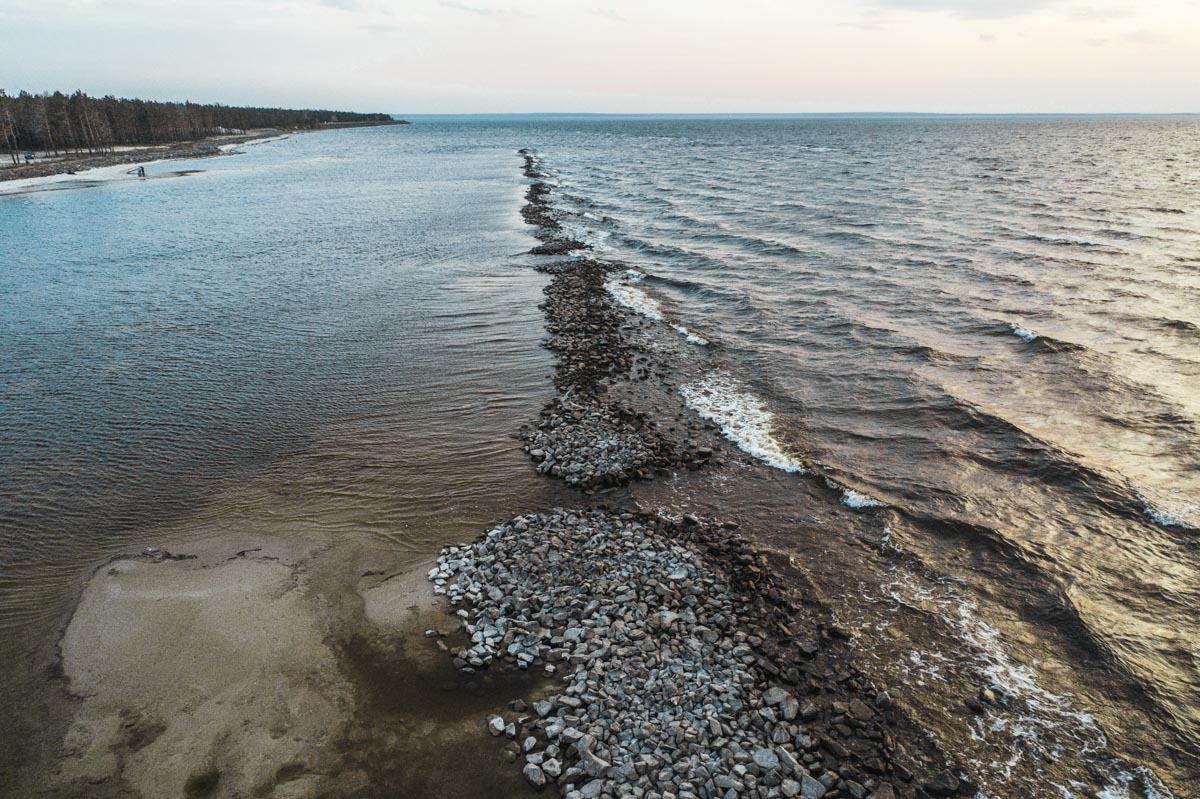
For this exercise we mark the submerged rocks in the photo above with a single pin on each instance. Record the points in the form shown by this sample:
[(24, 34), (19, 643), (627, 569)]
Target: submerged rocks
[(587, 440), (671, 679), (596, 445)]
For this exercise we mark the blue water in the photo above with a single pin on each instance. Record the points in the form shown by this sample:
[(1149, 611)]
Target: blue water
[(358, 331)]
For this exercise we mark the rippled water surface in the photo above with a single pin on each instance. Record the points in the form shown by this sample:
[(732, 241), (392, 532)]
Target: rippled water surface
[(991, 326), (336, 331)]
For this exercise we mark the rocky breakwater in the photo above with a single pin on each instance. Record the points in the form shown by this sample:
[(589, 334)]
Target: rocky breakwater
[(586, 435), (684, 668)]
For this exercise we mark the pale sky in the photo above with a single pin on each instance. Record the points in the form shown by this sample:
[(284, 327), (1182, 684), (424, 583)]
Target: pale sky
[(691, 56)]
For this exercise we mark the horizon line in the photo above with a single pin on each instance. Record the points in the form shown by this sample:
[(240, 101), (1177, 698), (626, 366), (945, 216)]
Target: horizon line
[(795, 114)]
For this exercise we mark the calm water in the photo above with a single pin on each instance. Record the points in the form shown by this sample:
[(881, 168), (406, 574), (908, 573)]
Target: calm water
[(302, 335), (990, 325)]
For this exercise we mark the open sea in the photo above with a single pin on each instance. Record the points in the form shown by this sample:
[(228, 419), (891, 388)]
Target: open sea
[(984, 330)]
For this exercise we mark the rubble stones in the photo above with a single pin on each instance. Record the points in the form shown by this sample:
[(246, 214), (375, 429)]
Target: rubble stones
[(669, 679)]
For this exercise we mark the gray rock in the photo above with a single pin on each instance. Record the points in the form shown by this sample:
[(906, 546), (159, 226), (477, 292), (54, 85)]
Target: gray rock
[(775, 695), (766, 759), (810, 788), (496, 725), (535, 775), (943, 784), (593, 765), (592, 790)]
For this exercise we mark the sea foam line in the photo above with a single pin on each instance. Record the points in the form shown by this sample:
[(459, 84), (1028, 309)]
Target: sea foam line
[(1035, 715), (744, 418), (621, 287), (1171, 511)]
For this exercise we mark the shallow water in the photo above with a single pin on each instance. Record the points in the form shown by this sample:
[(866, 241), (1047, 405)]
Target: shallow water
[(298, 338), (988, 326)]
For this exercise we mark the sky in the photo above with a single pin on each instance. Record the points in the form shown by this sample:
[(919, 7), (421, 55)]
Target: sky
[(616, 56)]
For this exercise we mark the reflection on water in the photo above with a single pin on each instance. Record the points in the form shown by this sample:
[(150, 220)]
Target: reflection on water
[(302, 338)]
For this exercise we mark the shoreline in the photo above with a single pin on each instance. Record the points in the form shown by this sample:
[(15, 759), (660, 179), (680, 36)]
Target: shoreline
[(208, 147), (807, 733)]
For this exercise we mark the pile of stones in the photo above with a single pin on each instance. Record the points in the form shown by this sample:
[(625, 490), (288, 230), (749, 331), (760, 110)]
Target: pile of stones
[(596, 445), (585, 328), (679, 677), (584, 436)]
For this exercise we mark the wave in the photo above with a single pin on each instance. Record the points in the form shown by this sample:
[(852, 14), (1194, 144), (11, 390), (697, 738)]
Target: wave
[(622, 288), (1048, 343), (1027, 336), (854, 499), (1058, 241), (1169, 509), (858, 500), (744, 418), (1042, 722)]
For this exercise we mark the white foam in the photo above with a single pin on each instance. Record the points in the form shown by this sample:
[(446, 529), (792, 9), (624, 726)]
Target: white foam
[(1023, 334), (622, 289), (744, 418), (1151, 786), (858, 500), (1171, 509), (692, 338), (1045, 722), (855, 499)]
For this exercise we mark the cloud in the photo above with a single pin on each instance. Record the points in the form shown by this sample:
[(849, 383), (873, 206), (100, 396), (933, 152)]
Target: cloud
[(1145, 36), (1091, 13), (344, 5), (972, 9), (484, 11), (609, 13)]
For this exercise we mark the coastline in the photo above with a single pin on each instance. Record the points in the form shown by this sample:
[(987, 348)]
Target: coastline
[(87, 167)]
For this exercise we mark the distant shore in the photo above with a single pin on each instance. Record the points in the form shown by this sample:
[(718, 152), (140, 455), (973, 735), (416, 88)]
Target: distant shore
[(202, 148)]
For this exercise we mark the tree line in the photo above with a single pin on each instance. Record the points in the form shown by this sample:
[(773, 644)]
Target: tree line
[(60, 123)]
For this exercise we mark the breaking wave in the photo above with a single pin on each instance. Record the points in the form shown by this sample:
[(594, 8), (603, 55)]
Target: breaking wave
[(743, 417)]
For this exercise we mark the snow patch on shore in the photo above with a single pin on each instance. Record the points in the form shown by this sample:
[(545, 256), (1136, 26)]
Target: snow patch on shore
[(743, 417), (232, 146)]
